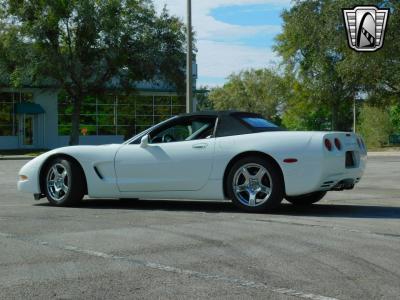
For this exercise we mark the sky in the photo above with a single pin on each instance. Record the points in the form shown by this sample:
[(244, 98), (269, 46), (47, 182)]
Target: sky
[(231, 35)]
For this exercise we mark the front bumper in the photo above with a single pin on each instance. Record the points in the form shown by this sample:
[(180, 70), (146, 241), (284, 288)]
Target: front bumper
[(31, 171), (28, 186)]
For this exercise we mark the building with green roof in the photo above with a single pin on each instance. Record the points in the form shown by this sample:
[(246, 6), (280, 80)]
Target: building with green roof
[(40, 117)]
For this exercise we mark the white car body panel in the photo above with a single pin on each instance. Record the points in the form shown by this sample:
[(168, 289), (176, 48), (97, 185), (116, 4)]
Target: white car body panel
[(175, 166), (182, 170)]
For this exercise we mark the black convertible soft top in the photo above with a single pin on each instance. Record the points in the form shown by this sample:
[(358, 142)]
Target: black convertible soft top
[(229, 122), (233, 122)]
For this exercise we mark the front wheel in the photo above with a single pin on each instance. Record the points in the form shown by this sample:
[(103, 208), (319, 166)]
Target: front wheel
[(63, 182), (306, 199), (254, 184)]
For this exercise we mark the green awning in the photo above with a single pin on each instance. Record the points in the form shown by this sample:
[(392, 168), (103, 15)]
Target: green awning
[(29, 108)]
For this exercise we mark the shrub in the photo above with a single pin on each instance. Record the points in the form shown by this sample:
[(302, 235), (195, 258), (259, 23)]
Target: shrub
[(374, 126), (395, 118)]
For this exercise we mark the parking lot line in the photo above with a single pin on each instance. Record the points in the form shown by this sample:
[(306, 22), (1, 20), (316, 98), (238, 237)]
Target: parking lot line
[(156, 266)]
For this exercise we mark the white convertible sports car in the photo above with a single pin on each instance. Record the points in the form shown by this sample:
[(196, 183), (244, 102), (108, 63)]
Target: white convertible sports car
[(208, 155)]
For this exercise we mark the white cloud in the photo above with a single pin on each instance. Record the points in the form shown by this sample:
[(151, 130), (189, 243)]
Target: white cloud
[(219, 59)]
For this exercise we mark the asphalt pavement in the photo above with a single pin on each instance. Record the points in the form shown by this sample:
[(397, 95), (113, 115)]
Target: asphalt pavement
[(345, 247)]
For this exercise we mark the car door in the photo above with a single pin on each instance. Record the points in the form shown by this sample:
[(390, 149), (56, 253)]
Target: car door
[(178, 157)]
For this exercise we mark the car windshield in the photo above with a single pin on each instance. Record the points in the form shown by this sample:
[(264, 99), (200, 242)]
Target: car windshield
[(136, 139)]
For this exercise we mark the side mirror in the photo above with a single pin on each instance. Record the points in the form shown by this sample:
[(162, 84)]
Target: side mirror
[(144, 142)]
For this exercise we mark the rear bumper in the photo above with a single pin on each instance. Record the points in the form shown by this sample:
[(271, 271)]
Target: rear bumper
[(345, 184), (339, 182), (326, 172), (338, 174)]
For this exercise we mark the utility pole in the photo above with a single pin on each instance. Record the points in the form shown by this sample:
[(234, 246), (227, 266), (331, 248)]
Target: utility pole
[(189, 60), (354, 115)]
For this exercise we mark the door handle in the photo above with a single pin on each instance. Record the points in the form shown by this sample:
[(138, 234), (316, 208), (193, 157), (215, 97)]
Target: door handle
[(200, 146)]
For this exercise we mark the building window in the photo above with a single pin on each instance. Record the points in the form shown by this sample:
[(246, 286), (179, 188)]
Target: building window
[(112, 114), (8, 118)]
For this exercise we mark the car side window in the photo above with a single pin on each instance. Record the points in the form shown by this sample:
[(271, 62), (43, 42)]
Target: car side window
[(185, 129)]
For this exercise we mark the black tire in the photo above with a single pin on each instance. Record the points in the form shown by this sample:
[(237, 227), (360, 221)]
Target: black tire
[(71, 188), (272, 178), (306, 199)]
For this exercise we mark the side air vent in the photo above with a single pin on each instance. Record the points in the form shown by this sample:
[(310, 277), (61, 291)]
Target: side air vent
[(98, 173)]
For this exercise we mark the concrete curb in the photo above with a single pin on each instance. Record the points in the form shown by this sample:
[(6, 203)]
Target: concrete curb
[(16, 157), (384, 153)]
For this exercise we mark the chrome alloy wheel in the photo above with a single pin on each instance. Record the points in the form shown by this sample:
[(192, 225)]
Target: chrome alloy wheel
[(252, 184), (57, 182)]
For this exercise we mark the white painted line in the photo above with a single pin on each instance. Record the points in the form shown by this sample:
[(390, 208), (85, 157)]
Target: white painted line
[(235, 281), (156, 266), (332, 227), (16, 205)]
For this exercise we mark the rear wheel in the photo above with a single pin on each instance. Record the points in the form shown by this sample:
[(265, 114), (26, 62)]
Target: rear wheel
[(306, 199), (254, 184), (64, 182)]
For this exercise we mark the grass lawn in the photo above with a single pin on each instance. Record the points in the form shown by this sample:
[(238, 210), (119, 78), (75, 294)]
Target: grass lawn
[(385, 149)]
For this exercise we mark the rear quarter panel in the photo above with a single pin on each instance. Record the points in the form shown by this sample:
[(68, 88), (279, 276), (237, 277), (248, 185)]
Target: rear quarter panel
[(306, 147)]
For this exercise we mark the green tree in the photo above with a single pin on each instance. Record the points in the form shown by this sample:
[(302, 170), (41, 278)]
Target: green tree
[(377, 73), (203, 99), (374, 126), (261, 91), (300, 111), (314, 48), (86, 46)]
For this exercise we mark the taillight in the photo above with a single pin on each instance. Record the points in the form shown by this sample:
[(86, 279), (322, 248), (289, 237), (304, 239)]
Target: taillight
[(328, 144), (338, 144)]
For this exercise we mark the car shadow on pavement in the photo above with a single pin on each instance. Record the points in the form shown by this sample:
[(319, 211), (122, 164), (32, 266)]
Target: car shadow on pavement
[(316, 210), (341, 211)]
